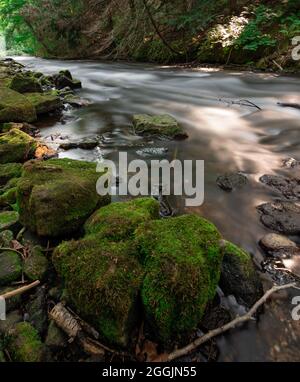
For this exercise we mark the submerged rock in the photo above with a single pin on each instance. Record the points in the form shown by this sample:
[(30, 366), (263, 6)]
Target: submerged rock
[(8, 220), (118, 221), (14, 107), (103, 280), (230, 182), (239, 277), (16, 146), (182, 261), (55, 197), (24, 83), (287, 187), (44, 103), (25, 344), (164, 125), (85, 144), (281, 216), (10, 267)]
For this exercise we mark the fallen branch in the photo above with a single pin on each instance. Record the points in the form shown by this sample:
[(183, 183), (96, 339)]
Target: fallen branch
[(232, 324), (18, 291), (294, 105), (241, 102)]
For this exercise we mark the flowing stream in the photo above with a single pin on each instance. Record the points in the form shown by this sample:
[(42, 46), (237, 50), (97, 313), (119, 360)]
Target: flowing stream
[(229, 138)]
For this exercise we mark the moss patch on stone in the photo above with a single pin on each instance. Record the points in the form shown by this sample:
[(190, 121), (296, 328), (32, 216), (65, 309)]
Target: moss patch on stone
[(164, 125), (16, 146), (24, 83), (8, 219), (9, 171), (103, 279), (25, 344), (14, 107), (44, 103), (182, 260), (55, 197), (239, 276), (36, 265), (10, 267), (118, 221)]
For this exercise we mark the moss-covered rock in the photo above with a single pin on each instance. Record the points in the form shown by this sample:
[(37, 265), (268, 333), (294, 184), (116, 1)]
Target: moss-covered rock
[(182, 259), (16, 146), (44, 103), (8, 220), (10, 267), (103, 279), (5, 238), (56, 338), (14, 107), (25, 344), (55, 197), (36, 265), (24, 83), (118, 221), (12, 318), (239, 276), (158, 125), (9, 197), (9, 171)]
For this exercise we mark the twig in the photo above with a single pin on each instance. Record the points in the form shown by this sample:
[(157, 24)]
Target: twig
[(232, 324), (278, 66), (22, 290), (12, 250)]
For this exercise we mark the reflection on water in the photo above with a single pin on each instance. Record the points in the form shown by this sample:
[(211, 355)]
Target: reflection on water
[(227, 138)]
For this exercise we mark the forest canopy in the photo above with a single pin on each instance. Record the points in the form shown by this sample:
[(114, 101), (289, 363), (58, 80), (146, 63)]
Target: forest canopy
[(239, 31)]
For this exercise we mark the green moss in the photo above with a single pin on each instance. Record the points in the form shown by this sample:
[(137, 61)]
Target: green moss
[(10, 267), (119, 220), (24, 83), (16, 146), (103, 279), (14, 107), (8, 197), (36, 265), (157, 125), (182, 260), (25, 344), (9, 171), (55, 197), (8, 219), (239, 276), (44, 103)]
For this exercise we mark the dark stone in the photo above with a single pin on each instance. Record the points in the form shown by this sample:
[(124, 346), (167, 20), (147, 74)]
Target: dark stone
[(281, 217), (10, 267), (36, 309), (287, 187), (229, 182), (290, 163)]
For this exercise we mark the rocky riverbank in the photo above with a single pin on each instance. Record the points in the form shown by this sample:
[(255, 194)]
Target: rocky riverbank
[(129, 278)]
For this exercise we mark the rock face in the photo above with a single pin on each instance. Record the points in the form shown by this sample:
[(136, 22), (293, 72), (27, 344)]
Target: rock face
[(282, 217), (55, 197), (44, 103), (163, 125), (229, 182), (118, 221), (287, 187), (182, 260), (25, 344), (239, 276), (10, 267), (25, 83), (16, 146), (103, 280), (14, 107)]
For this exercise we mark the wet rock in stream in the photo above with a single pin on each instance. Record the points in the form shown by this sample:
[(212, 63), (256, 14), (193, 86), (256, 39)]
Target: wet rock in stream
[(287, 187), (281, 216), (230, 182), (290, 163), (274, 243)]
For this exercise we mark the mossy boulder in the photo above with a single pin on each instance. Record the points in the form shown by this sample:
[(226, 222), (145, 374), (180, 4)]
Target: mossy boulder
[(164, 125), (16, 146), (182, 260), (25, 344), (10, 267), (9, 171), (55, 197), (239, 276), (9, 197), (44, 103), (14, 107), (8, 220), (24, 83), (103, 280), (36, 264), (5, 238), (118, 221)]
